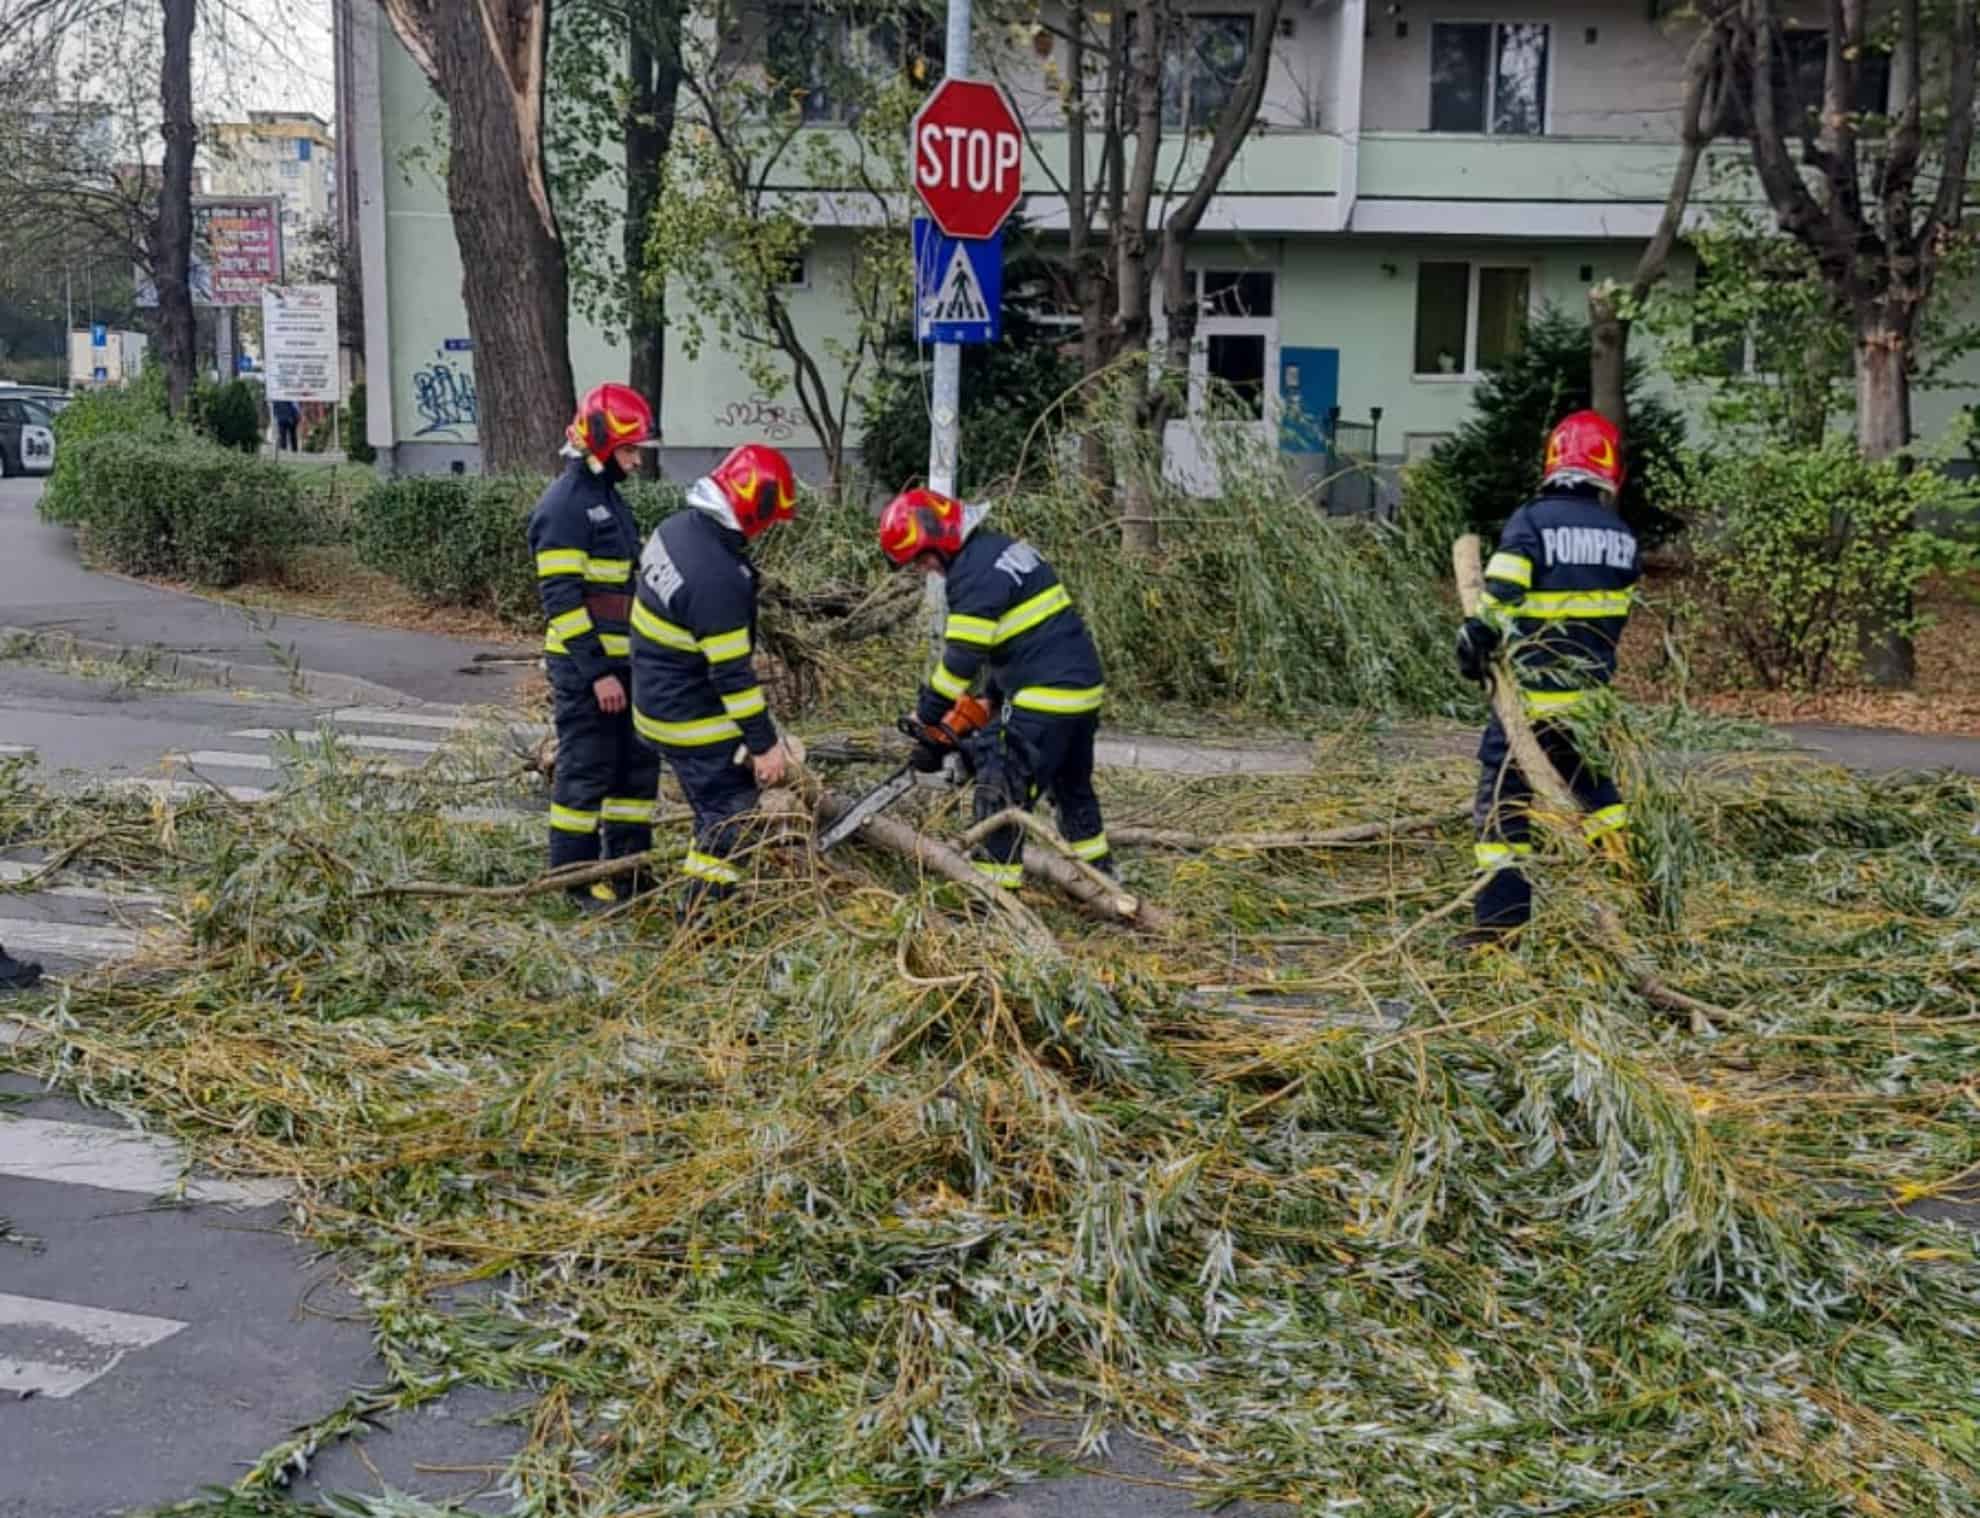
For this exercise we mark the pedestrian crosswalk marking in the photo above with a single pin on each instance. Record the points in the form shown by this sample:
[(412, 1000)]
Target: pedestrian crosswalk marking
[(16, 751), (55, 1349), (115, 1159), (186, 790), (384, 716), (233, 759), (348, 740), (13, 871), (75, 940)]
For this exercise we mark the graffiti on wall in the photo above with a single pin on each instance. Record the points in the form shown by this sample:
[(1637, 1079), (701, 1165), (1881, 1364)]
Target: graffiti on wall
[(443, 394), (762, 416)]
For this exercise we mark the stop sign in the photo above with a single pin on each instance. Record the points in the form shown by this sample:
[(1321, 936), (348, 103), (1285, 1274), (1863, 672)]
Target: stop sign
[(967, 150)]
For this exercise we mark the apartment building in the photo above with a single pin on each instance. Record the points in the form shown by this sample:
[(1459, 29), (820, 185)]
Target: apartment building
[(287, 154), (1424, 176)]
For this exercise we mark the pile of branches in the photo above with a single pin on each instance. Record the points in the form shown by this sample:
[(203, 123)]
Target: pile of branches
[(814, 1210)]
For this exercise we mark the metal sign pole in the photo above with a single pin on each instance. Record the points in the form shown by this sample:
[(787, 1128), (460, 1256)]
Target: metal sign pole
[(945, 409)]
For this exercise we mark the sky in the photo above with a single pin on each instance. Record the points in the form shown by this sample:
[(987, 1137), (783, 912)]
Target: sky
[(289, 61)]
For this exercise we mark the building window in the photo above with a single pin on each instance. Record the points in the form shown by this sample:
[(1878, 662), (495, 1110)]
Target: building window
[(811, 53), (1801, 73), (1489, 76), (1200, 72), (1470, 317)]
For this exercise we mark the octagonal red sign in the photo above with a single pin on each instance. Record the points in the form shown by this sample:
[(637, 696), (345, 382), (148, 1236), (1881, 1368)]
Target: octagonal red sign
[(967, 152)]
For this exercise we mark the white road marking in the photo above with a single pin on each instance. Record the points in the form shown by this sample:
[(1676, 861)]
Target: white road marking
[(16, 751), (13, 871), (115, 1159), (55, 1349), (229, 759), (15, 1034), (384, 716), (494, 816), (75, 940), (186, 790), (349, 740)]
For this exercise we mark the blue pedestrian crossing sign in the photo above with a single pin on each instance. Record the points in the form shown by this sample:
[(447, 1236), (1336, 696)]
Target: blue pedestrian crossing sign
[(958, 286)]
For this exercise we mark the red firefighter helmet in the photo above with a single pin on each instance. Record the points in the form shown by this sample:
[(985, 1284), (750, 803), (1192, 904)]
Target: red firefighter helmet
[(610, 417), (916, 522), (757, 482), (1584, 449)]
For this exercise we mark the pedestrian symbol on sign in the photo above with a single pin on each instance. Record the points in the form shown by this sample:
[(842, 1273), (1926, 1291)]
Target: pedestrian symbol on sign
[(959, 298), (958, 286)]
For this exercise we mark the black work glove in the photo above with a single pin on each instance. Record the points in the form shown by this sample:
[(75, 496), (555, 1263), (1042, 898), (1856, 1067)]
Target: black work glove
[(926, 756), (1477, 641)]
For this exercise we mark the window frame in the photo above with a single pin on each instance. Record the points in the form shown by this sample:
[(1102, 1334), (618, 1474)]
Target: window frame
[(1217, 324), (1492, 23), (1470, 373)]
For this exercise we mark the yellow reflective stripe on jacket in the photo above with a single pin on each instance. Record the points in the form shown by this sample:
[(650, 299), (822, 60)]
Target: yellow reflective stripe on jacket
[(1028, 614), (962, 629), (616, 645), (1561, 605), (1610, 819), (560, 561), (568, 819), (606, 571), (1513, 568), (1065, 703), (696, 734), (728, 645), (661, 631), (707, 867), (572, 624), (945, 684), (1544, 702), (745, 703)]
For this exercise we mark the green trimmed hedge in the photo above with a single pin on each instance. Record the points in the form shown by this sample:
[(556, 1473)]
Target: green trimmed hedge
[(182, 508), (463, 540), (136, 413)]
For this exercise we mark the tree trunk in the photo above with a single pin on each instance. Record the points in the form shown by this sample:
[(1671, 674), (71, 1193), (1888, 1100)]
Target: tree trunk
[(1608, 337), (487, 62), (172, 245), (653, 59), (1883, 431)]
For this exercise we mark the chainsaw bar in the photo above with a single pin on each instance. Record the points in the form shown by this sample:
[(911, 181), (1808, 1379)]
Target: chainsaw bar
[(870, 805)]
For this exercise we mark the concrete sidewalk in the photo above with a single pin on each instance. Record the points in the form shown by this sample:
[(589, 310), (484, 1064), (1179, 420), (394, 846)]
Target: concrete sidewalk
[(46, 592)]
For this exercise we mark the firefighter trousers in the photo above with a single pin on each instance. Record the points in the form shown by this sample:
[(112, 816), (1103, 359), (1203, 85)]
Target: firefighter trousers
[(722, 794), (1503, 813), (1027, 755), (606, 779)]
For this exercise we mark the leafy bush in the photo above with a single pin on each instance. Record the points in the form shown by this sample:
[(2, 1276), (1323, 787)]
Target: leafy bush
[(135, 413), (1801, 552), (1495, 457), (229, 415), (1006, 387), (186, 509)]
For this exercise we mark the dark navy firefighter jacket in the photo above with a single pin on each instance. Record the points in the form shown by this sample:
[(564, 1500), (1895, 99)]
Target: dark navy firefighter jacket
[(1561, 585), (694, 626), (584, 538), (1007, 609)]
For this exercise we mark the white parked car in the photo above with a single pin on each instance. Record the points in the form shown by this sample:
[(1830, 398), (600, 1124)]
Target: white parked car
[(27, 436)]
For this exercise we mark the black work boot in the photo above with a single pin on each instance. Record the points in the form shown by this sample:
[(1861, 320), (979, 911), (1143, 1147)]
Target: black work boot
[(17, 974), (595, 899)]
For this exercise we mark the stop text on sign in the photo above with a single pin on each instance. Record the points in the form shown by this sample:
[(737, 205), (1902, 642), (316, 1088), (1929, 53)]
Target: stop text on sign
[(966, 158)]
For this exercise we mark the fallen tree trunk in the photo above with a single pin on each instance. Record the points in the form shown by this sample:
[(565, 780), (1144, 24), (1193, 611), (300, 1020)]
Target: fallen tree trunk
[(1360, 832), (1055, 862), (1563, 811)]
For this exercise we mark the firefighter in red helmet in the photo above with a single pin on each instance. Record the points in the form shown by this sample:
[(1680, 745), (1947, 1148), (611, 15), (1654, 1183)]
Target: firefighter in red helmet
[(1010, 618), (1559, 587), (584, 539), (695, 691)]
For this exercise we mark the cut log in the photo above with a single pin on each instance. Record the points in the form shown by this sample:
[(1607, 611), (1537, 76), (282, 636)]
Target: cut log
[(1054, 861)]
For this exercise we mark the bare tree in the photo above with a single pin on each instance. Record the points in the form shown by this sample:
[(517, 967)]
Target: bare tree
[(172, 234), (1703, 112), (487, 60), (1126, 227), (653, 64)]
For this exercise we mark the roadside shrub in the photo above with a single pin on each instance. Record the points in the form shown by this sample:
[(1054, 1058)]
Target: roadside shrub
[(1496, 455), (454, 540), (135, 413), (228, 415), (1802, 552), (186, 509)]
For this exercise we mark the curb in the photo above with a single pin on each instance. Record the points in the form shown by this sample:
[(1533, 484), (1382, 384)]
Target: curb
[(198, 669)]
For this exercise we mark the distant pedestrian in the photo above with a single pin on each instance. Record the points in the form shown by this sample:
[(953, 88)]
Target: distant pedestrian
[(288, 417)]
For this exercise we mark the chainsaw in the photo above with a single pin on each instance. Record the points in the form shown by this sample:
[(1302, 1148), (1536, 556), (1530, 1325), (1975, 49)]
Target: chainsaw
[(962, 719)]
